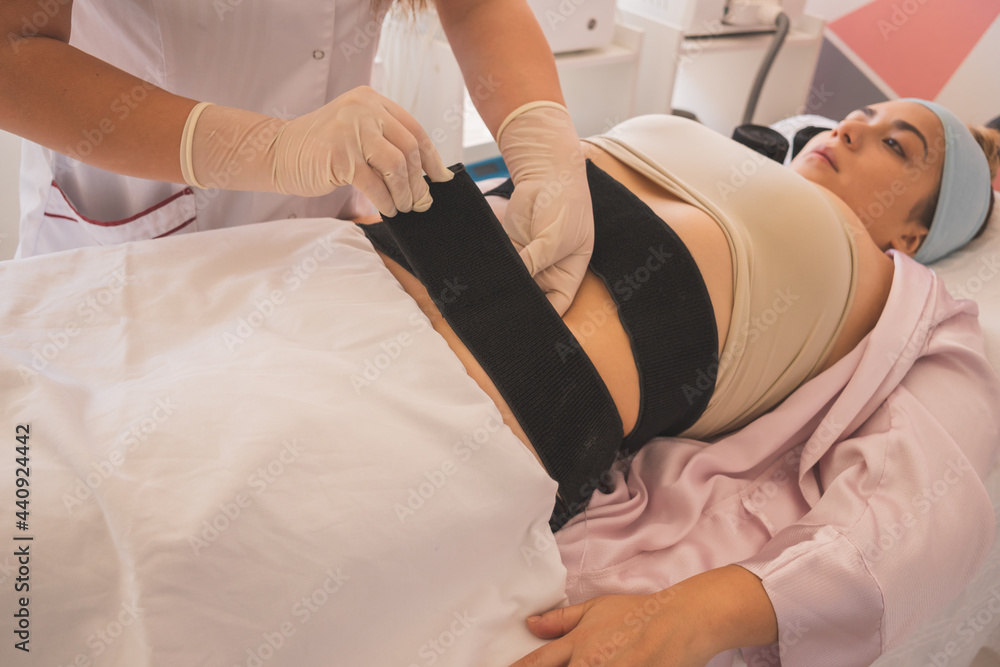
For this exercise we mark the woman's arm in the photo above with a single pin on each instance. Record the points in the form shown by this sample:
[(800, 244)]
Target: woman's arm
[(58, 96), (685, 625)]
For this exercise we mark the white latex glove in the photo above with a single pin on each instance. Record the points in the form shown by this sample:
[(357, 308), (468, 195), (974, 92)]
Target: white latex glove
[(361, 139), (550, 212)]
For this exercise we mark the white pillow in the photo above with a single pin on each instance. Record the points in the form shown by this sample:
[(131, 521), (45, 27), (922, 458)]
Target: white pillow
[(789, 127)]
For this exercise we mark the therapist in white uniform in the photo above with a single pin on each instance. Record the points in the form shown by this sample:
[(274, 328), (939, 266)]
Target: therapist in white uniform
[(147, 118)]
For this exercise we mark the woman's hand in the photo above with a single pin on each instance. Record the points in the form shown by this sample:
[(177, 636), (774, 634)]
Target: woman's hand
[(361, 138), (619, 631), (685, 625), (550, 218)]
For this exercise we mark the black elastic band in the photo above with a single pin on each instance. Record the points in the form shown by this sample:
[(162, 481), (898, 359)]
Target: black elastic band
[(663, 304), (461, 254)]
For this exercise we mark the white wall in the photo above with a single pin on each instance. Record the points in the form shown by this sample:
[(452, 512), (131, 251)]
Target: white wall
[(10, 159)]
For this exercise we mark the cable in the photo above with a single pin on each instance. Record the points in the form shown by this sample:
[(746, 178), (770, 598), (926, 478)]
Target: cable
[(783, 24)]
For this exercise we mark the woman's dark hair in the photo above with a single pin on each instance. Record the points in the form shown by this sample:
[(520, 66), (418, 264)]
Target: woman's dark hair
[(989, 141)]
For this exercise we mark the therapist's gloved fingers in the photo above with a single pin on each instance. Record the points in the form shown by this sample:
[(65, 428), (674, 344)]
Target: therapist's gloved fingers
[(358, 132), (400, 137), (559, 281), (389, 163), (373, 187), (430, 159), (516, 221)]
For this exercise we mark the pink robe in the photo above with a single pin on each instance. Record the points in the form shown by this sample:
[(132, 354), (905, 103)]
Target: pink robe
[(858, 500)]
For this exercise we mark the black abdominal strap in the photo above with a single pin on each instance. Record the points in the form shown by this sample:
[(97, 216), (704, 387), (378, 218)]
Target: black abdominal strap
[(461, 254)]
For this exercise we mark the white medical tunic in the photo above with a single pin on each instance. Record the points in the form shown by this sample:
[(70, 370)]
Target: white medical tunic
[(283, 58)]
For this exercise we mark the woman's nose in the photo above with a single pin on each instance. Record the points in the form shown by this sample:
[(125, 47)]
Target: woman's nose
[(849, 132)]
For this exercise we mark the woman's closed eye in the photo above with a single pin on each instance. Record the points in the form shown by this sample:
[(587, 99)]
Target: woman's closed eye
[(896, 147)]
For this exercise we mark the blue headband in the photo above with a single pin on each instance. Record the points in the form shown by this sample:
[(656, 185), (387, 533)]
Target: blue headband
[(965, 189)]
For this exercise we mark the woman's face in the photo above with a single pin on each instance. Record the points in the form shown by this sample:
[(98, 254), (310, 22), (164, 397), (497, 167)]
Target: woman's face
[(884, 161)]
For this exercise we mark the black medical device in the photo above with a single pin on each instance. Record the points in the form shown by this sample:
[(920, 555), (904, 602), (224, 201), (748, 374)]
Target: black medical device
[(771, 143), (764, 140)]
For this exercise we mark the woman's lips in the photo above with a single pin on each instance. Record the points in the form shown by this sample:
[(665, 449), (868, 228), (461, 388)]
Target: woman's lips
[(827, 155)]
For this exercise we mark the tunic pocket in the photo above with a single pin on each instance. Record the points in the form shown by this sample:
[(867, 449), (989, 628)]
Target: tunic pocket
[(169, 216)]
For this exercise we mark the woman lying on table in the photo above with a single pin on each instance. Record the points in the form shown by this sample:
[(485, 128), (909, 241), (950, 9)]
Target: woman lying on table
[(720, 283)]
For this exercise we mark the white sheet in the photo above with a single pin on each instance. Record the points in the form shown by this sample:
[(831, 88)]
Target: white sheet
[(248, 447), (972, 621)]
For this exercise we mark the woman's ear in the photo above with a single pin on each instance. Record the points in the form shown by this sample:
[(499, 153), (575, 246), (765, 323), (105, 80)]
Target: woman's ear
[(909, 239)]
